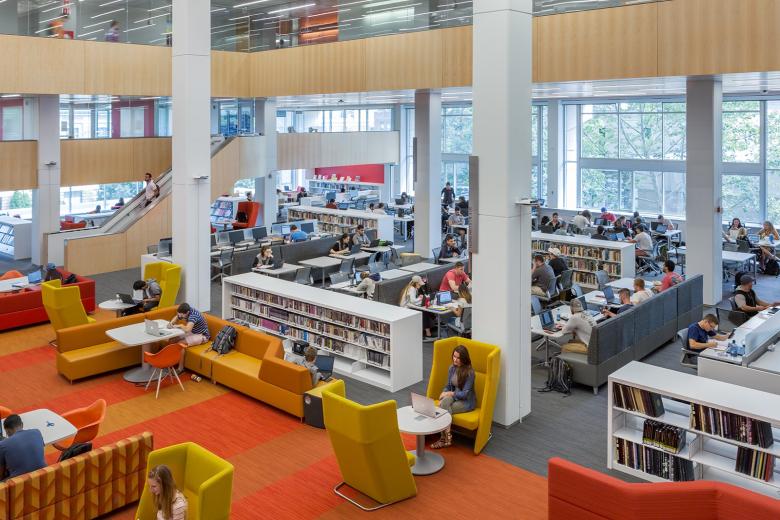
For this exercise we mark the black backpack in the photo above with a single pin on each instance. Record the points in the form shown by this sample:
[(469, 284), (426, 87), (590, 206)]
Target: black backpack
[(74, 450), (559, 377), (771, 267), (225, 340)]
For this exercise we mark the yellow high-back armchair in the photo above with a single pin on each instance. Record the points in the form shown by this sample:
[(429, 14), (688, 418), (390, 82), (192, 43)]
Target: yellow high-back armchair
[(63, 305), (368, 446), (205, 480), (486, 361), (168, 275)]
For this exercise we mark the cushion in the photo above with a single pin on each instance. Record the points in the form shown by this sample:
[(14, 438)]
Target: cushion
[(240, 362), (468, 420), (410, 458), (101, 349)]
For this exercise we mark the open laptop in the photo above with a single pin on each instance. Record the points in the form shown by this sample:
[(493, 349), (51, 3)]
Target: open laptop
[(426, 406), (660, 229), (609, 295), (586, 311), (613, 236), (375, 243), (34, 277), (325, 366), (127, 298), (599, 222), (546, 319), (153, 328), (443, 297), (355, 249)]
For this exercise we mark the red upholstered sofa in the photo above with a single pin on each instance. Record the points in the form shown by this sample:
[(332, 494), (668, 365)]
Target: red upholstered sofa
[(25, 307), (584, 494)]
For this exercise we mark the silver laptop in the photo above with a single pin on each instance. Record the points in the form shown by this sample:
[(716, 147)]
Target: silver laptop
[(153, 328), (426, 406)]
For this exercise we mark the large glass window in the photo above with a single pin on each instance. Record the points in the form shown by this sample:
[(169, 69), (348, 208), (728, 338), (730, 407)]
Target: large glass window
[(742, 197), (16, 203), (539, 151), (456, 129), (83, 199), (457, 174), (741, 131)]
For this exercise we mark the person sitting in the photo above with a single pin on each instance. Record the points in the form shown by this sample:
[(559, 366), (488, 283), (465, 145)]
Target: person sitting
[(332, 204), (449, 249), (456, 219), (192, 322), (96, 210), (557, 262), (606, 215), (52, 273), (264, 259), (307, 361), (769, 233), (454, 278), (664, 222), (461, 302), (644, 244), (636, 216), (599, 234), (542, 276), (621, 226), (370, 208), (342, 246), (458, 394), (413, 296), (147, 293), (297, 235), (380, 209), (22, 451), (171, 504), (747, 300), (735, 231), (580, 326), (120, 203), (301, 194), (462, 205), (367, 284), (670, 278), (625, 304), (582, 220), (556, 223), (544, 222), (640, 293), (461, 240), (360, 238), (701, 335)]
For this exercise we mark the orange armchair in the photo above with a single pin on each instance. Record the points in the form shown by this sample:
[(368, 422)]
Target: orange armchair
[(252, 210), (10, 275), (5, 412), (87, 421), (165, 361)]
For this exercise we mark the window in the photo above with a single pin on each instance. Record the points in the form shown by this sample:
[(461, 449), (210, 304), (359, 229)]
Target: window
[(16, 203), (11, 120), (83, 199), (539, 151), (457, 174), (456, 129), (244, 186), (741, 131), (742, 197), (599, 130)]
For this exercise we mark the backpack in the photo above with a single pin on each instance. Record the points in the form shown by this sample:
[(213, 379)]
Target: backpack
[(771, 267), (559, 377), (70, 279), (74, 450), (241, 216), (225, 340)]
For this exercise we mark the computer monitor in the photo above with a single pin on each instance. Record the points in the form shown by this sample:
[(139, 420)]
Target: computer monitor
[(546, 319), (599, 222), (353, 193), (259, 233), (443, 297), (213, 240), (285, 229), (660, 228), (223, 239), (612, 236), (399, 202), (307, 227), (165, 247), (236, 236), (609, 294)]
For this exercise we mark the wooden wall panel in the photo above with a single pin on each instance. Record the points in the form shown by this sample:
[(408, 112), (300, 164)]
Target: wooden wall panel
[(149, 230), (225, 169), (599, 44), (229, 74), (151, 154), (9, 61), (277, 73), (104, 161), (404, 61), (334, 67), (143, 70), (95, 255), (535, 74), (49, 66), (456, 62), (314, 150), (698, 37), (18, 165)]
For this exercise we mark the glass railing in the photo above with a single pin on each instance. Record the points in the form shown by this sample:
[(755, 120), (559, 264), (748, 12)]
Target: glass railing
[(252, 25)]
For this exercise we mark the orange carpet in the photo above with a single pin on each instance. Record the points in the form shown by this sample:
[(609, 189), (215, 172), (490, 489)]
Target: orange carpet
[(284, 469)]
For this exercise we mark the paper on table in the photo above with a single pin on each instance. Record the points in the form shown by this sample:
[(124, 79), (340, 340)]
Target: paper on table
[(722, 345)]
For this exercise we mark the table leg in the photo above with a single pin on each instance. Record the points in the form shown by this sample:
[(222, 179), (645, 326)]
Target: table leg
[(322, 274), (144, 372), (427, 462), (438, 326)]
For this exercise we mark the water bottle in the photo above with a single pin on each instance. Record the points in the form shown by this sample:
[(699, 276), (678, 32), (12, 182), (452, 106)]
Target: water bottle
[(557, 315)]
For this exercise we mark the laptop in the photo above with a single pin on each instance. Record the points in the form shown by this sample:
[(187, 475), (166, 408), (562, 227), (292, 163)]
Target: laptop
[(375, 243), (325, 366), (259, 233), (307, 227), (354, 249), (586, 311), (443, 297), (548, 324), (278, 262), (609, 294), (547, 229), (34, 277), (599, 222), (399, 202), (127, 298), (612, 236), (153, 328), (426, 406), (660, 228)]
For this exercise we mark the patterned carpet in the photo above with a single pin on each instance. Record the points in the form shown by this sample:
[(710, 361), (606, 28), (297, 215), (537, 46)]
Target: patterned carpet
[(284, 469)]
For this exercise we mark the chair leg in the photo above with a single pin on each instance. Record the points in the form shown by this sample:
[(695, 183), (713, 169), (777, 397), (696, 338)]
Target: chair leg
[(176, 374), (358, 504), (154, 372), (159, 379)]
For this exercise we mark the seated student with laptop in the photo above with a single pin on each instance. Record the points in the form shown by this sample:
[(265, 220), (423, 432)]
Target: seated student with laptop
[(580, 326), (625, 304), (454, 278), (146, 293), (297, 235), (599, 234), (192, 322), (264, 259), (704, 333), (343, 246), (449, 249), (308, 361), (640, 293), (458, 394), (360, 238)]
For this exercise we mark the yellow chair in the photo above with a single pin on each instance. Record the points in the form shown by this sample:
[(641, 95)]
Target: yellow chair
[(168, 275), (63, 305), (205, 480), (486, 360), (368, 446)]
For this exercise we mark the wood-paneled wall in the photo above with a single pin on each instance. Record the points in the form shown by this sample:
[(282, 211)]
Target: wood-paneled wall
[(229, 74), (18, 165), (225, 168), (312, 150), (105, 161)]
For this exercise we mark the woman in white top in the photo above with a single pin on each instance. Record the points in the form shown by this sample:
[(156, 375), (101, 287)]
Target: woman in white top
[(735, 231), (580, 326), (463, 301), (412, 295), (168, 500), (640, 293)]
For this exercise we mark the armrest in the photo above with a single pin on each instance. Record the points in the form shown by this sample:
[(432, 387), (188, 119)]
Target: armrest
[(215, 495), (288, 376), (80, 336)]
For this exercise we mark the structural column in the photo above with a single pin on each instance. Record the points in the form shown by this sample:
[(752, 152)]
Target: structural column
[(555, 155), (502, 143), (46, 199), (265, 185), (703, 185), (191, 147), (427, 184)]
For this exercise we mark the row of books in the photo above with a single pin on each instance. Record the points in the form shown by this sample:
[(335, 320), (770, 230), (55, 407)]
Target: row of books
[(664, 436), (326, 218), (637, 400), (582, 278), (596, 253), (757, 464), (658, 463), (377, 358), (731, 426), (593, 265)]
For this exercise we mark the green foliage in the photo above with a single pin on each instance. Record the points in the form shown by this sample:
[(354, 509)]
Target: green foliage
[(20, 199)]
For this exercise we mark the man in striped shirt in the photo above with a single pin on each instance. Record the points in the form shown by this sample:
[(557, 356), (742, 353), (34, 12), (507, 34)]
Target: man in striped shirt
[(192, 322)]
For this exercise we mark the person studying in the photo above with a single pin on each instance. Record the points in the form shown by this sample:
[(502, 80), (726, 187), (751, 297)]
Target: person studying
[(640, 293), (703, 333), (449, 249), (297, 235), (360, 238), (264, 259), (625, 304), (413, 296), (747, 300), (342, 246), (557, 262), (454, 278), (542, 276), (22, 451), (192, 322), (580, 326), (458, 395)]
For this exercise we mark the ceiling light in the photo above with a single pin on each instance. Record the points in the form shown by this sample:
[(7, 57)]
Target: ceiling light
[(246, 4), (384, 2), (158, 8), (10, 95), (107, 12), (291, 8), (109, 3)]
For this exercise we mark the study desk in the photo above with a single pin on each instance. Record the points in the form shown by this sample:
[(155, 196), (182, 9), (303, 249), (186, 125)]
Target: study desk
[(536, 328), (382, 249), (277, 272), (622, 283), (52, 426), (743, 259), (437, 312), (321, 263), (116, 305), (135, 334), (404, 221), (357, 256), (393, 274), (418, 268), (427, 462), (454, 259)]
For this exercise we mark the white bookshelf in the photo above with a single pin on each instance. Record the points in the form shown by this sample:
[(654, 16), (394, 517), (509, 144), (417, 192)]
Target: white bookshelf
[(372, 342), (366, 188), (584, 254), (344, 221), (713, 456), (15, 237)]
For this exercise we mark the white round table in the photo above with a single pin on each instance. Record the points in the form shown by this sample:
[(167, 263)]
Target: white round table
[(118, 306), (414, 423)]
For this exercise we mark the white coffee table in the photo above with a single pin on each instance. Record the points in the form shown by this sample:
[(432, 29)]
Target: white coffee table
[(135, 334), (413, 423), (118, 306), (53, 428)]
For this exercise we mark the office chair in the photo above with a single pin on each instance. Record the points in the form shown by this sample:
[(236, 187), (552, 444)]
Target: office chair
[(552, 292), (464, 328), (347, 265), (151, 249), (222, 263), (576, 291), (729, 246), (733, 314), (339, 277), (303, 276), (743, 246), (536, 305), (690, 357), (436, 251), (602, 278), (565, 281)]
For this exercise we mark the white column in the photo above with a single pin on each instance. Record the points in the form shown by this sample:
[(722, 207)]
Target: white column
[(702, 185), (46, 199), (427, 186), (191, 147), (265, 124), (555, 154), (502, 141)]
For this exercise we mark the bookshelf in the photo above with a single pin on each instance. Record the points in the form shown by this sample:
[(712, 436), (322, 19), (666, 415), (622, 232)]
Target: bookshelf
[(372, 342), (584, 254), (731, 433), (224, 209), (322, 186), (339, 221), (15, 237)]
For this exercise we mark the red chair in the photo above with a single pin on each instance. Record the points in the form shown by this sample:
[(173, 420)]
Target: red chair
[(5, 412), (87, 421), (166, 360), (252, 210), (10, 275)]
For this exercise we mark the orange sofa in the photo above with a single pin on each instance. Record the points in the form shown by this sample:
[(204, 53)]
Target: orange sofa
[(584, 494), (84, 487)]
